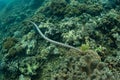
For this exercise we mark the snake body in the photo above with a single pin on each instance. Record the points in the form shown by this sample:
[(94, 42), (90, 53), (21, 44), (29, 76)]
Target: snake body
[(52, 41)]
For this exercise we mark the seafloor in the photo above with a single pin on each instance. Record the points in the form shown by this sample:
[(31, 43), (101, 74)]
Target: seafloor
[(92, 26)]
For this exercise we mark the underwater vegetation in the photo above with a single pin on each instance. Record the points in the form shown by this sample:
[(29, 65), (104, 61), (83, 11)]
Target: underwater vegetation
[(88, 30)]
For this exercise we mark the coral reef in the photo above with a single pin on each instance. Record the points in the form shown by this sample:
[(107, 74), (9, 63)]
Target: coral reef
[(79, 67), (9, 42), (63, 9), (93, 26), (29, 66)]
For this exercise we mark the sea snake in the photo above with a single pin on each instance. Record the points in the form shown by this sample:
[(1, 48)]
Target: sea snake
[(52, 41)]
